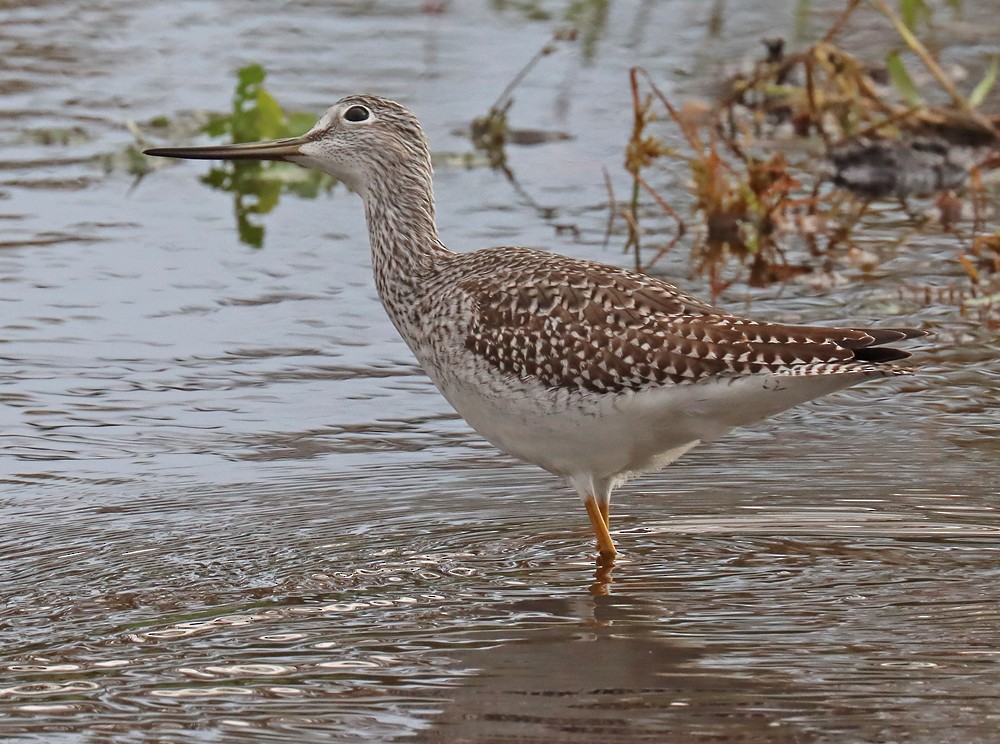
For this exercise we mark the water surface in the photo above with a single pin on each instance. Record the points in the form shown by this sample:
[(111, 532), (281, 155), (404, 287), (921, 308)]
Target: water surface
[(232, 508)]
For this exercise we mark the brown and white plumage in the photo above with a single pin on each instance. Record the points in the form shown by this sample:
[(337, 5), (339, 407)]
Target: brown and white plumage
[(585, 325), (590, 371)]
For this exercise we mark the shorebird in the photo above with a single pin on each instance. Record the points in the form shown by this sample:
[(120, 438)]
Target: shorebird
[(590, 371)]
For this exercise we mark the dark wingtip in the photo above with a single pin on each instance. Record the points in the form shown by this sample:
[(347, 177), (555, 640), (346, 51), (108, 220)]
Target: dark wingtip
[(879, 354), (874, 350)]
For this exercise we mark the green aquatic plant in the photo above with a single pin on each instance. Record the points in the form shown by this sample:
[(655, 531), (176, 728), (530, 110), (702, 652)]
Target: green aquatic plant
[(256, 114), (257, 186)]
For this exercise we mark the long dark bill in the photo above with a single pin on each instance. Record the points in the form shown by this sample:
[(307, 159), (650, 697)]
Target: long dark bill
[(274, 150)]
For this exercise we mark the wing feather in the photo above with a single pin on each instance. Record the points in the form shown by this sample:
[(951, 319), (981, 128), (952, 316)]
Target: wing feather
[(602, 328)]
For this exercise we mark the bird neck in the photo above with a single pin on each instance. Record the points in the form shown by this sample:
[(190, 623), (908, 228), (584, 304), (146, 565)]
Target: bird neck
[(402, 231)]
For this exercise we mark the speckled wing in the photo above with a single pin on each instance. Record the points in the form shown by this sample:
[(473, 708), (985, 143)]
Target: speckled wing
[(588, 326)]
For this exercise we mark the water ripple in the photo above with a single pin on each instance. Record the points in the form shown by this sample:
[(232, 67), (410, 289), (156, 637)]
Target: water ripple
[(233, 508)]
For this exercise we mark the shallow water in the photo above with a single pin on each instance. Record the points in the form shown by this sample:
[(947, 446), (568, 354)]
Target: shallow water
[(232, 508)]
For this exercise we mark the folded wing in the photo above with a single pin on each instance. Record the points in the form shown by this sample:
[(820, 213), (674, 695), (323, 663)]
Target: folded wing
[(604, 329)]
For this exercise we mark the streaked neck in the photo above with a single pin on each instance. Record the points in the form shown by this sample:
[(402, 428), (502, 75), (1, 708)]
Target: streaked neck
[(401, 227)]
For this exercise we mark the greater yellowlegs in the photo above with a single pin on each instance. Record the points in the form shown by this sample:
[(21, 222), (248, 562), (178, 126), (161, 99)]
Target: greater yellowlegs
[(592, 372)]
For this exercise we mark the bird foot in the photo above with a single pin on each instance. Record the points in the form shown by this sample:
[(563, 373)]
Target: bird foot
[(606, 559)]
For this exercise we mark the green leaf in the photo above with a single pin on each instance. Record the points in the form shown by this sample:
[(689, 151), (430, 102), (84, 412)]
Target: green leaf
[(248, 81), (902, 80), (309, 187), (269, 116), (268, 193), (299, 122), (217, 178), (250, 234), (984, 86), (216, 126), (251, 75)]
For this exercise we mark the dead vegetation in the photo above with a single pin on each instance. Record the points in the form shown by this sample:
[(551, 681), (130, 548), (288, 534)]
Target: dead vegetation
[(749, 210)]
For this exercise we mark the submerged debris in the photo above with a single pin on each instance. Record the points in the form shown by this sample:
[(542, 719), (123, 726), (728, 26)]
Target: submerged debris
[(897, 168)]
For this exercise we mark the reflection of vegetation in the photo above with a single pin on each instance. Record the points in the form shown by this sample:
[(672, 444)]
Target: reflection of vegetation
[(587, 17), (591, 17), (257, 186), (132, 160), (61, 136), (751, 208), (531, 9), (982, 264), (490, 133)]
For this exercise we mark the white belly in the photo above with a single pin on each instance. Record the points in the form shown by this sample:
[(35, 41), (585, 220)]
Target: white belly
[(614, 436)]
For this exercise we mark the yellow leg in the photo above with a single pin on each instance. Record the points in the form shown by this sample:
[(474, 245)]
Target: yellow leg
[(605, 507), (605, 545)]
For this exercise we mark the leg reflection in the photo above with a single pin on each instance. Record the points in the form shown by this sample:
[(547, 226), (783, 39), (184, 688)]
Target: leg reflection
[(602, 576)]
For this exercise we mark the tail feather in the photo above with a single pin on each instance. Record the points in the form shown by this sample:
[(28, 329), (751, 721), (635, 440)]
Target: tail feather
[(871, 347)]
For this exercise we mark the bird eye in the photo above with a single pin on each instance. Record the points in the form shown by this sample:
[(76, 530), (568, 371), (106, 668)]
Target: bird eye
[(357, 113)]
